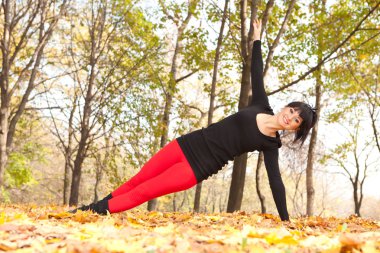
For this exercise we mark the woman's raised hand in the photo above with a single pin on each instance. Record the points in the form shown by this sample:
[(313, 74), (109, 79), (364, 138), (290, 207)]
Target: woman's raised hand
[(256, 29)]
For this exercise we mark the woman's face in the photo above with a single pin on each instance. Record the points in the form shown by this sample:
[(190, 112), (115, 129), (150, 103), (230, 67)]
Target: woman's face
[(289, 118)]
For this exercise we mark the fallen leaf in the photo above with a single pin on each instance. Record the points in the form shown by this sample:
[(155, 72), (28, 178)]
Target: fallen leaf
[(61, 215), (349, 242)]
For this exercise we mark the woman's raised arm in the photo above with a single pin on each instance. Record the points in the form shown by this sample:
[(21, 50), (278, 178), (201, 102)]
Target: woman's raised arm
[(258, 91)]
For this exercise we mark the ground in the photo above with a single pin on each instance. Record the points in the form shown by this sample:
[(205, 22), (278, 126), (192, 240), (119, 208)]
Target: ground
[(27, 228)]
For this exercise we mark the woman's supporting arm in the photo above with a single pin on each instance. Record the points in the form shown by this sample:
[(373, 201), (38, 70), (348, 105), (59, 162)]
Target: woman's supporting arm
[(275, 182)]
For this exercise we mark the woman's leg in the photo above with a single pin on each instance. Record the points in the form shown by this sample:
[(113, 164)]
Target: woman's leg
[(165, 158), (166, 172), (178, 177)]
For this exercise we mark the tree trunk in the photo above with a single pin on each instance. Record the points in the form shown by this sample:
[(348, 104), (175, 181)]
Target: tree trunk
[(358, 186), (357, 206), (152, 204), (258, 183), (98, 176), (356, 193), (197, 197), (313, 139), (83, 145), (76, 176), (66, 176), (174, 202), (198, 189), (309, 169), (68, 154), (237, 183), (4, 82), (3, 137), (184, 200), (240, 163), (311, 153)]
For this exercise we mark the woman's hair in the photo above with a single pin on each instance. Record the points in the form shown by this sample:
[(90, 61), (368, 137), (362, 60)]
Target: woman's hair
[(309, 118)]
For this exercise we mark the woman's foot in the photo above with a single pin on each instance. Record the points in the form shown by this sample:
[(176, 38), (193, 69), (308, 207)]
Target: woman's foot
[(100, 207)]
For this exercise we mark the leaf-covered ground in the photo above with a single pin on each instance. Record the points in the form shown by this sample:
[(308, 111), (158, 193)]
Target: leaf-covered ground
[(50, 229)]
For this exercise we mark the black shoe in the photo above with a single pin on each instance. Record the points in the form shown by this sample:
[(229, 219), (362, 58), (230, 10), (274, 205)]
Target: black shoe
[(100, 207), (82, 208)]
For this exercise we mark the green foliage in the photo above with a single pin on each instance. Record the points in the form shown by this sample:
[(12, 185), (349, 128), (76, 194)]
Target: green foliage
[(19, 167), (352, 77), (5, 195), (20, 164), (196, 54), (18, 171), (27, 153)]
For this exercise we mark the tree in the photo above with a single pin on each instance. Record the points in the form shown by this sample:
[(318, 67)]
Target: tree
[(240, 163), (356, 75), (180, 15), (27, 27), (197, 198), (353, 83), (105, 55), (267, 12), (319, 14), (354, 158)]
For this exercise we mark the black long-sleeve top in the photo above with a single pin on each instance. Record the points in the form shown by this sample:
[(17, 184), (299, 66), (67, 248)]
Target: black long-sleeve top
[(209, 149)]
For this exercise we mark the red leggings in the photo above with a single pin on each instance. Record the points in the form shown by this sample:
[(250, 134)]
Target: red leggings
[(166, 172)]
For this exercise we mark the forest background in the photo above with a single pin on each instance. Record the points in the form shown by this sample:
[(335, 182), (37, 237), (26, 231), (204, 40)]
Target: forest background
[(91, 89)]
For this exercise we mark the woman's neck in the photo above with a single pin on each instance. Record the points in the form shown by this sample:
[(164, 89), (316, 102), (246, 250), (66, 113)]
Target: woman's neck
[(270, 125)]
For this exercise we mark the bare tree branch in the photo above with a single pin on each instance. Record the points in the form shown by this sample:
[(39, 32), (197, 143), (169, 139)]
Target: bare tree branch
[(186, 76)]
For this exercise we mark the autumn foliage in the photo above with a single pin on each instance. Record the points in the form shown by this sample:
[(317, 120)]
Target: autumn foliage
[(51, 229)]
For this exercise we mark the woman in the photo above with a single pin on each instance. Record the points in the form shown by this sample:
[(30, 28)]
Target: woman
[(192, 158)]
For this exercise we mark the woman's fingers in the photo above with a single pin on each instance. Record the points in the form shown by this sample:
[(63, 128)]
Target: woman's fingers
[(257, 23)]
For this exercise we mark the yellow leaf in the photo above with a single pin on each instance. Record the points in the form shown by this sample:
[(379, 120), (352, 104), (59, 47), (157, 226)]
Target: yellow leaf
[(61, 215), (2, 217), (53, 240), (211, 241), (281, 236), (8, 246), (213, 218), (342, 228), (134, 221), (183, 217), (254, 234), (154, 214)]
